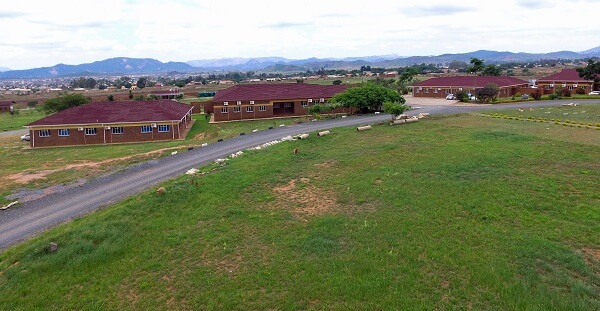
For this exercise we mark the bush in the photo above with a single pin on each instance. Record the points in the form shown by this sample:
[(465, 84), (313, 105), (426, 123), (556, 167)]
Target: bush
[(462, 96), (536, 95), (580, 90), (565, 92), (553, 96)]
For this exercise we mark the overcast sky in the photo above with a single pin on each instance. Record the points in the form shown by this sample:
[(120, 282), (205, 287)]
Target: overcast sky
[(45, 33)]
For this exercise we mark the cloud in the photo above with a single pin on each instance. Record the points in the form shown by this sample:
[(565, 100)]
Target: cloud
[(283, 25), (438, 10), (535, 4), (11, 14)]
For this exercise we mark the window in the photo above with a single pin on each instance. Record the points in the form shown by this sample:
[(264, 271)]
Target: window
[(44, 133), (304, 103), (262, 108), (90, 131), (239, 102), (117, 130), (287, 105), (435, 90), (426, 90), (63, 132), (237, 109), (163, 128), (251, 102), (249, 109), (224, 110), (146, 129)]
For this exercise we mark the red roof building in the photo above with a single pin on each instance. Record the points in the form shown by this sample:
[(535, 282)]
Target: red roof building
[(6, 106), (441, 87), (112, 122), (168, 94), (566, 78), (260, 101)]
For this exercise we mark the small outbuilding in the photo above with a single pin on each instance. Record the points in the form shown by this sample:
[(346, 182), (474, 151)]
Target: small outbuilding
[(7, 106), (443, 86)]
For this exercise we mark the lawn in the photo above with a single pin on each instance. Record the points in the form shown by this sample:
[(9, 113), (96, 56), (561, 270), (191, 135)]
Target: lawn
[(16, 122), (584, 114), (459, 212), (68, 164)]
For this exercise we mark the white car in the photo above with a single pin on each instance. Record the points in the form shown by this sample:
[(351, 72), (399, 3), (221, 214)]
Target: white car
[(594, 93), (26, 137), (450, 97)]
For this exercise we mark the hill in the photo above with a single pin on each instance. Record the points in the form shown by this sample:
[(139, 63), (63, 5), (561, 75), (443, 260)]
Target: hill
[(111, 66)]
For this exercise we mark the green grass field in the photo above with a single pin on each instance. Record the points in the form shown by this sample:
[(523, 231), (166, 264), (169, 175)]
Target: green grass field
[(16, 122), (459, 212)]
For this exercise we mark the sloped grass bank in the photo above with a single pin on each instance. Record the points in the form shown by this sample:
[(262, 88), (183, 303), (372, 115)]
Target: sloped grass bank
[(441, 214)]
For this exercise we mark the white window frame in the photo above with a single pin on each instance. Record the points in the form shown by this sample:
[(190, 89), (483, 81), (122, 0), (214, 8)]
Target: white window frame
[(249, 109), (162, 127), (64, 132), (91, 131), (304, 103), (262, 108), (237, 109), (118, 130), (146, 129), (44, 133), (224, 110)]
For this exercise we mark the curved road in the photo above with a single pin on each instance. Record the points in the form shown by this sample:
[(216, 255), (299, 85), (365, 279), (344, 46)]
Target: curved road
[(33, 217)]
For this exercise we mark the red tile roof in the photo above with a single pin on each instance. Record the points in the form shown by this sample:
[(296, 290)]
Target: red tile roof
[(277, 91), (117, 112), (565, 75), (6, 103), (471, 81)]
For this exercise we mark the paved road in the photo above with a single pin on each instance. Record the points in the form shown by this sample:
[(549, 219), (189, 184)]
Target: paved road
[(22, 222)]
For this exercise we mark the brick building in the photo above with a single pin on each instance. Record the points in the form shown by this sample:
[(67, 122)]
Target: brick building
[(6, 106), (567, 79), (260, 101), (112, 122), (441, 87)]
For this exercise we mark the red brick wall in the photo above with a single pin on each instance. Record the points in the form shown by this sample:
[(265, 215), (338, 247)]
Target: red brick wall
[(130, 134)]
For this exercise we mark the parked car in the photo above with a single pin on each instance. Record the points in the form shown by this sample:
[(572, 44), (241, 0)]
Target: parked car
[(525, 96), (450, 97), (26, 137), (472, 97), (594, 93)]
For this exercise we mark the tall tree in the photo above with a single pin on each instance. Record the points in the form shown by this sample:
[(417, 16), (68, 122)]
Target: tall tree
[(476, 65), (63, 102), (491, 70), (141, 82), (591, 71)]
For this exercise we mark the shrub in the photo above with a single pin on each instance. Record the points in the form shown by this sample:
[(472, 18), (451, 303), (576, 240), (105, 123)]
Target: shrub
[(536, 95), (580, 90), (553, 96), (565, 92), (462, 96)]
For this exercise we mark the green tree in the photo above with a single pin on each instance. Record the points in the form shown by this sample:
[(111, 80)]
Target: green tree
[(476, 65), (367, 97), (491, 70), (110, 97), (141, 82), (63, 102), (32, 104), (394, 108), (337, 82), (591, 71), (130, 94), (462, 96), (487, 93)]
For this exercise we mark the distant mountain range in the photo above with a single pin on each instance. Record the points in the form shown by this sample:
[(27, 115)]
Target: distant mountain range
[(3, 69), (111, 66), (141, 66)]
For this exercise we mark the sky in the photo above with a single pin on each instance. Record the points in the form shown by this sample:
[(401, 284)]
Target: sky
[(45, 33)]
